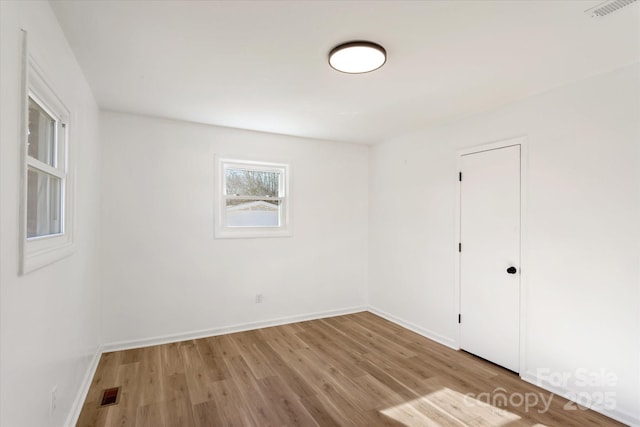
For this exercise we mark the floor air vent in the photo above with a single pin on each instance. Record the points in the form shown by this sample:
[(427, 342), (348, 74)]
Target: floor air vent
[(110, 396), (608, 7)]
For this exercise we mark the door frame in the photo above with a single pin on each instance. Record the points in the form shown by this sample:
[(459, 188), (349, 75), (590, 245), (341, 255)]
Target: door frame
[(524, 161)]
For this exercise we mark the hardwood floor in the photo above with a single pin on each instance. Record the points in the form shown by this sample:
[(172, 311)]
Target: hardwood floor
[(354, 370)]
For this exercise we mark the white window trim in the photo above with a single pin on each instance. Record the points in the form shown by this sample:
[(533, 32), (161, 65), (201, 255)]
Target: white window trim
[(223, 232), (40, 251)]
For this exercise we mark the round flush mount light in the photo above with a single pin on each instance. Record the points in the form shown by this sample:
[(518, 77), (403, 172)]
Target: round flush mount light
[(357, 57)]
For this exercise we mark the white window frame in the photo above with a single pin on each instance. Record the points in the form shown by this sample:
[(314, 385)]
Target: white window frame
[(36, 252), (284, 196)]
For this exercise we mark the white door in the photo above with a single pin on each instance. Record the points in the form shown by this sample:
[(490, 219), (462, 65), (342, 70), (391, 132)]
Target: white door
[(490, 255)]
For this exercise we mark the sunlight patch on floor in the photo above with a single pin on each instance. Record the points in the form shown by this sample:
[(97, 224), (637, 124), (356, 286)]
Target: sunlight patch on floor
[(450, 408)]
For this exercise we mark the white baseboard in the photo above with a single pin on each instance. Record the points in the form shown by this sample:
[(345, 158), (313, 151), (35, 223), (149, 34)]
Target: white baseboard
[(616, 414), (449, 342), (166, 339), (76, 408)]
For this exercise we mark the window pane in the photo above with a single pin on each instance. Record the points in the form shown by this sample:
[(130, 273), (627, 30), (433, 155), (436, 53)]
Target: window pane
[(243, 182), (41, 137), (253, 213), (43, 204)]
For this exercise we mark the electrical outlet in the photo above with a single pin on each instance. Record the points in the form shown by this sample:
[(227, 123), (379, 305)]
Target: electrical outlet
[(259, 298), (54, 398)]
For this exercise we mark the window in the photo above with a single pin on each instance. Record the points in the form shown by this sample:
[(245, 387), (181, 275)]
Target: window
[(46, 231), (252, 199)]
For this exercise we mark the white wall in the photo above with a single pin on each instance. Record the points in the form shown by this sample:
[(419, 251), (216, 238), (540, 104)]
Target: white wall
[(388, 221), (49, 319), (582, 231), (165, 273)]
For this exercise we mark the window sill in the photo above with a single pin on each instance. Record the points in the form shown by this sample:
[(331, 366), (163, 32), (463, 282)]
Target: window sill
[(251, 233), (34, 260)]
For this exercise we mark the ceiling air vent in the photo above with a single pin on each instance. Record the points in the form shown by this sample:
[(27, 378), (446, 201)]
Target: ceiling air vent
[(608, 7)]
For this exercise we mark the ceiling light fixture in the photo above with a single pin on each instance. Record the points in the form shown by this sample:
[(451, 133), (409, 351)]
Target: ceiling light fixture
[(357, 57)]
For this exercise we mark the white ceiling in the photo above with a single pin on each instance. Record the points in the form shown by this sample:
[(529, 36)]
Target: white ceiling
[(262, 65)]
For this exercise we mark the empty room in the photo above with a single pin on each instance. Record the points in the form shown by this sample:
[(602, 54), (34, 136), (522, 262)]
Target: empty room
[(319, 213)]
